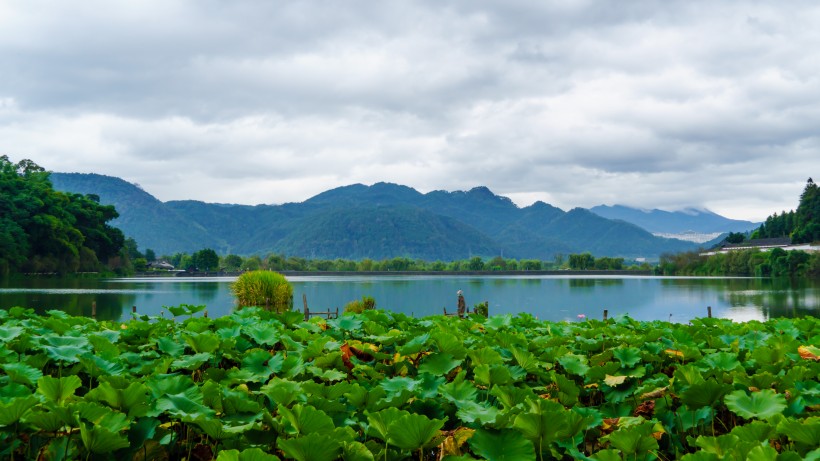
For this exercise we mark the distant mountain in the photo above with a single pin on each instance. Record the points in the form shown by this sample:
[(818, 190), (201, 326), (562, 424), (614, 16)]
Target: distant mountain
[(379, 221), (674, 222)]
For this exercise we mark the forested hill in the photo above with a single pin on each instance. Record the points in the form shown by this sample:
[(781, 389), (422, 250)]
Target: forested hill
[(801, 225), (357, 221), (44, 230)]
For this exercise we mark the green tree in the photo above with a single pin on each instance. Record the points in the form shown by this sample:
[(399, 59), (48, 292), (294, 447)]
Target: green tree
[(475, 264), (205, 260), (232, 263)]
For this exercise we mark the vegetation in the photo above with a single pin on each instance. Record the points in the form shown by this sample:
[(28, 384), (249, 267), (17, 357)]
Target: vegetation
[(358, 306), (802, 226), (746, 263), (378, 385), (263, 289), (42, 230)]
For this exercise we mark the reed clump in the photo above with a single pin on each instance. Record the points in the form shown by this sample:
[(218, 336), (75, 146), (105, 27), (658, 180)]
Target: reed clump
[(265, 289)]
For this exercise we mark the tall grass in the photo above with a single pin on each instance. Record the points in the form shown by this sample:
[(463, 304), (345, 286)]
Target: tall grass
[(263, 289)]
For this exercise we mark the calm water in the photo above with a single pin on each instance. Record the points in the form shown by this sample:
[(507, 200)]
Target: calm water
[(548, 297)]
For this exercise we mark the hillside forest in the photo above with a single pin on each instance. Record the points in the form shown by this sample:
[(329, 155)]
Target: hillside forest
[(43, 230)]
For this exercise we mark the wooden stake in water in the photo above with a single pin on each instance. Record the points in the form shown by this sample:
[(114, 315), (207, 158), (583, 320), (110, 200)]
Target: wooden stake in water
[(94, 310), (606, 314), (709, 311)]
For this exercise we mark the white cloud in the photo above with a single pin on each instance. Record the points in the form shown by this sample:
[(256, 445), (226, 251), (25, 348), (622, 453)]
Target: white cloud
[(652, 104)]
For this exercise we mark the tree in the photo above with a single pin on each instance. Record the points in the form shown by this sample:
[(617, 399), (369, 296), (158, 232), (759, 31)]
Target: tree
[(232, 263), (205, 260), (735, 237)]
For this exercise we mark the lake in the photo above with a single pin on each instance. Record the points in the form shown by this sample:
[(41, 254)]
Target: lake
[(556, 298)]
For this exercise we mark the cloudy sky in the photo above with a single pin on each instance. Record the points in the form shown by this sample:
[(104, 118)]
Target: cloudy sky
[(656, 104)]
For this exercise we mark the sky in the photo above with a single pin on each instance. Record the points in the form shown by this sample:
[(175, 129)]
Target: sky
[(653, 104)]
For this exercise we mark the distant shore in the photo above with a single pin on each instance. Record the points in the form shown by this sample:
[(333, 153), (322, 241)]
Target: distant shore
[(405, 273)]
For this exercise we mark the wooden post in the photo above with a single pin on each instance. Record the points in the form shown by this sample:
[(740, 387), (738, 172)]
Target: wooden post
[(709, 311), (487, 303), (134, 309), (307, 314), (304, 300), (94, 310), (206, 313), (606, 314), (445, 311), (337, 312)]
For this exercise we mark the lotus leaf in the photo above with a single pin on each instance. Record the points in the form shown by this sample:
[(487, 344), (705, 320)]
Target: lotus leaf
[(356, 451), (634, 440), (9, 333), (506, 445), (472, 412), (762, 404), (202, 342), (438, 364), (543, 422), (412, 431), (187, 404), (415, 345), (724, 361), (485, 356), (262, 364), (805, 432), (704, 394), (313, 447), (575, 364), (492, 375), (22, 373), (628, 356), (99, 439), (304, 419), (265, 334), (248, 454), (379, 422), (170, 347), (11, 412), (58, 390), (68, 354)]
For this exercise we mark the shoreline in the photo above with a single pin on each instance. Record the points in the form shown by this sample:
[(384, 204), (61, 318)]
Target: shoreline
[(641, 273)]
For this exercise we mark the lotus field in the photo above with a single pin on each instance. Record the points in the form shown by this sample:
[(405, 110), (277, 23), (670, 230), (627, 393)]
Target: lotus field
[(383, 386)]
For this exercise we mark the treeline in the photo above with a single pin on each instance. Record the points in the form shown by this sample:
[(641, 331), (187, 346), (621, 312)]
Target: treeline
[(774, 263), (802, 225), (46, 231), (275, 262)]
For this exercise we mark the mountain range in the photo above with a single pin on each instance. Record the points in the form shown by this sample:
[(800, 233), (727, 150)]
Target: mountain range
[(379, 221), (675, 222)]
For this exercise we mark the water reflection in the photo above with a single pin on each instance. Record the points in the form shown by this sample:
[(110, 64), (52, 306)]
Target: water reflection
[(547, 297)]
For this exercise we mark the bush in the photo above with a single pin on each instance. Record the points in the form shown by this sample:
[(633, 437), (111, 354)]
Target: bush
[(482, 309), (358, 306), (263, 289)]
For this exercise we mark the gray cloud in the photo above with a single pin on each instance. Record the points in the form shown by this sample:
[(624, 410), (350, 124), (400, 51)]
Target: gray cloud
[(647, 103)]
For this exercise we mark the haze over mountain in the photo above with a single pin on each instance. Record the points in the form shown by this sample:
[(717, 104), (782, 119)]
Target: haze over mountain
[(379, 221), (674, 222)]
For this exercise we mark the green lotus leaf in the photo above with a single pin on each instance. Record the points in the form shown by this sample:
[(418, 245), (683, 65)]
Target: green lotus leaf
[(628, 356), (9, 333), (133, 400), (22, 373), (262, 333), (11, 412), (482, 413), (761, 453), (634, 440), (527, 360), (98, 366), (169, 384), (67, 341), (283, 392), (720, 446), (191, 362), (575, 364), (459, 391), (485, 356), (248, 454), (202, 342), (54, 420), (304, 419), (396, 385), (704, 394), (99, 439), (415, 345), (506, 445), (346, 323), (186, 404), (215, 429), (686, 375), (700, 456), (438, 364), (327, 375), (510, 396), (449, 343), (412, 431), (312, 447), (379, 422), (725, 361), (58, 390), (498, 322), (568, 391), (142, 430), (542, 423), (170, 347), (805, 432), (69, 354), (492, 375), (607, 455), (755, 431), (762, 404)]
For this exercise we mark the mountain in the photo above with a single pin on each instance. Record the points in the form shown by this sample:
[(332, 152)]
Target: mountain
[(674, 222), (379, 221)]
